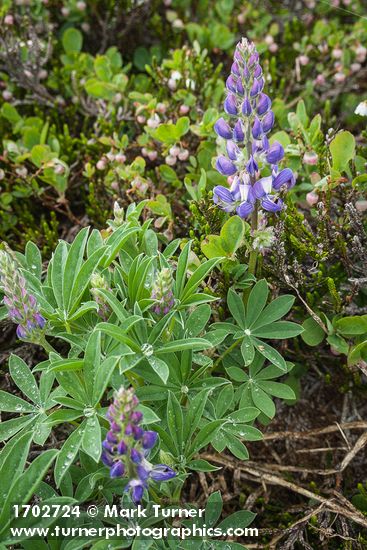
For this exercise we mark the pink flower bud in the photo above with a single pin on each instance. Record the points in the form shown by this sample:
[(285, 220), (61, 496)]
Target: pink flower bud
[(174, 151), (183, 154), (115, 186), (184, 109), (361, 205), (320, 80), (9, 19), (361, 53), (170, 160), (153, 122), (312, 198), (65, 11), (59, 169), (337, 53), (268, 39), (120, 158), (152, 155), (7, 95), (172, 84), (241, 18), (101, 164), (304, 59), (144, 151), (355, 67), (310, 157), (273, 48), (161, 108), (81, 5), (141, 119), (339, 77)]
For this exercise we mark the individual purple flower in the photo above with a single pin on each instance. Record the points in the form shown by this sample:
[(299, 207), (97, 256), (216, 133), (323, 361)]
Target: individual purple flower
[(230, 105), (127, 446), (284, 177), (225, 166), (268, 121), (275, 153), (223, 129), (233, 150), (224, 198), (238, 133), (263, 104), (21, 304)]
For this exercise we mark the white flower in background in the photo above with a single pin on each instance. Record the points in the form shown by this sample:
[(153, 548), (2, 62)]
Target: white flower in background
[(361, 109)]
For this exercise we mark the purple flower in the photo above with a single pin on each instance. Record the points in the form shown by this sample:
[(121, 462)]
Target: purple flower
[(257, 129), (230, 104), (118, 469), (285, 177), (268, 121), (161, 472), (149, 439), (275, 153), (223, 129), (136, 488), (263, 104), (223, 198), (232, 150), (262, 187), (272, 204), (225, 166), (238, 134), (246, 107)]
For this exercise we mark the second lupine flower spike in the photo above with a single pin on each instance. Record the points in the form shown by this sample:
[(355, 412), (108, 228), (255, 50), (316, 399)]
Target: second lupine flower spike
[(248, 148), (127, 445)]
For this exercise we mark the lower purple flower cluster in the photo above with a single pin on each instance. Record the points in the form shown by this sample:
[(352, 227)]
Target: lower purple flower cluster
[(127, 445)]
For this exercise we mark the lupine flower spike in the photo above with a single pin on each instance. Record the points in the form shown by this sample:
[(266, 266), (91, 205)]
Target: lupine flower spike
[(21, 305), (248, 150), (162, 292), (127, 446)]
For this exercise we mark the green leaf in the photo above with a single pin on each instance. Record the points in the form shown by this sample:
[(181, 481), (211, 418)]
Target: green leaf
[(237, 448), (246, 414), (197, 277), (247, 350), (204, 436), (12, 403), (82, 279), (357, 353), (181, 271), (202, 465), (342, 150), (34, 259), (92, 440), (274, 311), (239, 519), (312, 333), (236, 307), (10, 427), (102, 377), (232, 234), (352, 326), (256, 302), (160, 367), (262, 401), (198, 320), (213, 508), (279, 330), (73, 264), (24, 379), (67, 454), (270, 353), (102, 67), (195, 412), (194, 344), (12, 465), (277, 390), (175, 421), (72, 40)]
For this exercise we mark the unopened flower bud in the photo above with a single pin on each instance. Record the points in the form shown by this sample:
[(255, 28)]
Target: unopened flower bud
[(304, 60), (152, 155), (9, 19), (101, 164), (120, 158), (310, 157), (183, 154), (184, 109), (312, 198), (7, 95), (161, 108), (141, 119)]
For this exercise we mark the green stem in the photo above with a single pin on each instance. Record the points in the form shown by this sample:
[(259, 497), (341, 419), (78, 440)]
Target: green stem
[(226, 352), (47, 346), (254, 253)]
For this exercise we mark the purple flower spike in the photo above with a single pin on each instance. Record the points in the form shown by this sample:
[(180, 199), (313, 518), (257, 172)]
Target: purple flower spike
[(246, 107), (149, 439), (249, 152), (230, 105), (272, 204), (118, 469), (263, 104), (238, 134), (285, 177), (161, 472), (223, 129), (225, 166), (268, 121), (232, 150), (275, 153)]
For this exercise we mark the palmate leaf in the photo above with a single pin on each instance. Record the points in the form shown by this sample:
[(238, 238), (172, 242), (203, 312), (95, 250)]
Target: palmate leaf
[(256, 302)]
